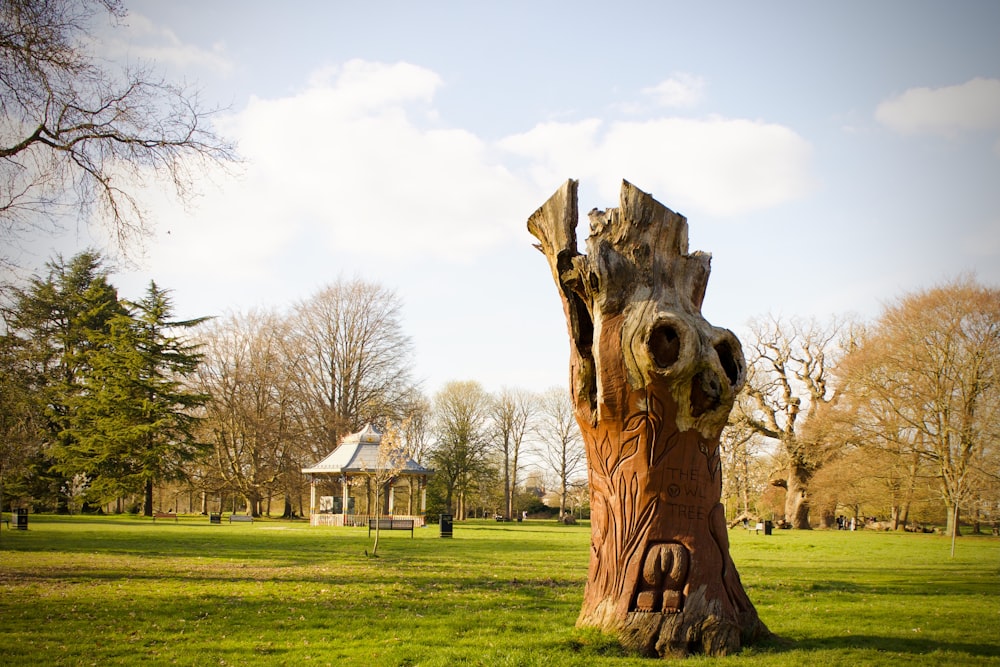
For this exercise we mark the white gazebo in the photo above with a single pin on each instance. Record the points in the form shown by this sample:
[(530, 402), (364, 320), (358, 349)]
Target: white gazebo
[(355, 459)]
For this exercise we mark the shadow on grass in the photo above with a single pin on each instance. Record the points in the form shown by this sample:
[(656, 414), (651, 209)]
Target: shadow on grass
[(908, 645), (947, 584), (271, 544)]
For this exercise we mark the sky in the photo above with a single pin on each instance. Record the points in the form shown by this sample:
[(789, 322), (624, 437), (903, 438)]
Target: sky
[(831, 156)]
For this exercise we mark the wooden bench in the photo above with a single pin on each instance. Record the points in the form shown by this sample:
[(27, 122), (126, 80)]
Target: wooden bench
[(390, 524), (240, 517), (165, 515)]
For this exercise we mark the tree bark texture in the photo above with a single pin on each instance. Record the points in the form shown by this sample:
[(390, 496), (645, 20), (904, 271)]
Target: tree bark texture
[(652, 384)]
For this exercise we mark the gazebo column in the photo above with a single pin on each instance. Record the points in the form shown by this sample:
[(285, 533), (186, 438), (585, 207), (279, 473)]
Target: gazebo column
[(312, 496), (423, 495), (345, 489), (392, 498)]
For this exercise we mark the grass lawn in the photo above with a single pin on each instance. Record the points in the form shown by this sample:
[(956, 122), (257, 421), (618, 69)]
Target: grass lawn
[(124, 590)]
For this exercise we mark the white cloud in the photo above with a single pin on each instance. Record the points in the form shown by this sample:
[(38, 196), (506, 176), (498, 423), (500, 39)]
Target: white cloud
[(715, 166), (354, 170), (680, 91), (352, 162), (139, 38), (974, 105), (360, 87)]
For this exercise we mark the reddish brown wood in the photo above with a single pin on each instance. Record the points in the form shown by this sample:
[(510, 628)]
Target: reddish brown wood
[(652, 383)]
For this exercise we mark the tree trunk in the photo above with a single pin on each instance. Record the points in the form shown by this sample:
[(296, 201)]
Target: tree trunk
[(796, 499), (953, 527), (652, 384), (147, 504), (562, 498)]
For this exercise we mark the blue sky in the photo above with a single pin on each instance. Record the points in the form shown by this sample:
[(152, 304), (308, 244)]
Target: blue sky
[(830, 156)]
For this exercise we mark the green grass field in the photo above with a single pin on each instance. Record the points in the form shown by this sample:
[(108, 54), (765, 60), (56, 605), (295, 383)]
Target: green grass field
[(124, 590)]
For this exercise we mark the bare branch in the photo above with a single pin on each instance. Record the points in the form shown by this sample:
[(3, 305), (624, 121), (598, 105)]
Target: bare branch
[(87, 138)]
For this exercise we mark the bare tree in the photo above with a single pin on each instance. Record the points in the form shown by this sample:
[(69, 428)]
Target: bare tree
[(352, 360), (561, 444), (417, 425), (892, 449), (390, 459), (512, 412), (416, 435), (788, 379), (78, 137), (743, 477), (460, 454), (249, 418), (932, 363)]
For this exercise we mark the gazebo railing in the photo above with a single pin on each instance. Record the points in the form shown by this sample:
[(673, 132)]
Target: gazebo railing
[(361, 520)]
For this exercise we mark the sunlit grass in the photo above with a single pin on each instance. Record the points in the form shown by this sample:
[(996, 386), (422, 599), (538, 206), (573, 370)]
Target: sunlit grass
[(125, 590)]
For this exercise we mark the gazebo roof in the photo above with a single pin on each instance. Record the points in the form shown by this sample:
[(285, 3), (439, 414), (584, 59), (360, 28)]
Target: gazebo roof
[(358, 453)]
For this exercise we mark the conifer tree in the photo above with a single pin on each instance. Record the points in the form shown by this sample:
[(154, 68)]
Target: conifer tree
[(52, 329), (133, 425)]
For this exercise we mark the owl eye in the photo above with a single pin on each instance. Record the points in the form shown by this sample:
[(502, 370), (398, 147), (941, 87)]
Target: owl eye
[(731, 360), (665, 345)]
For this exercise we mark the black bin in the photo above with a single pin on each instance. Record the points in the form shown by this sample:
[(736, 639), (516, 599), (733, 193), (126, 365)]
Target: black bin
[(768, 527), (215, 518), (20, 517), (446, 520)]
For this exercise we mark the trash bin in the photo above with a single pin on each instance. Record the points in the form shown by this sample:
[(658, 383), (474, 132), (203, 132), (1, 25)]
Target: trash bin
[(215, 518), (446, 525), (768, 527), (20, 517)]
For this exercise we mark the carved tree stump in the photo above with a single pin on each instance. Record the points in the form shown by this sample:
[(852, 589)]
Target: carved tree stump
[(652, 384)]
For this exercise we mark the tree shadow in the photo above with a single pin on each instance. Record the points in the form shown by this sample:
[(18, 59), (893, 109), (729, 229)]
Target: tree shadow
[(907, 645)]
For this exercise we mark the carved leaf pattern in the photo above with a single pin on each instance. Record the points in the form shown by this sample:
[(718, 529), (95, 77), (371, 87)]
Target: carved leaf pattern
[(712, 460), (635, 432), (604, 451), (657, 449)]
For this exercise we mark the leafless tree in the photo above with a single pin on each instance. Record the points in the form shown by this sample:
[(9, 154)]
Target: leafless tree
[(389, 461), (460, 453), (512, 413), (80, 138), (744, 477), (417, 424), (416, 435), (351, 360), (788, 380), (249, 418), (931, 366), (889, 449), (561, 444)]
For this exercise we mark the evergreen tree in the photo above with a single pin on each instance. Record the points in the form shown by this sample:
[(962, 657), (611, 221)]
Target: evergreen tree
[(21, 420), (52, 329), (133, 424)]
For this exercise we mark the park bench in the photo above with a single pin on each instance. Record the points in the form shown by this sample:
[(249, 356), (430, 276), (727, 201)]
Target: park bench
[(240, 517), (165, 515), (390, 524)]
